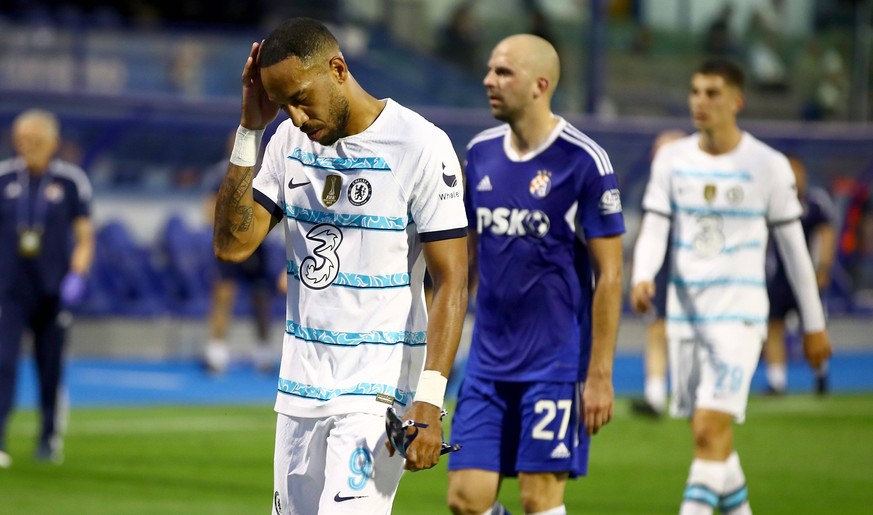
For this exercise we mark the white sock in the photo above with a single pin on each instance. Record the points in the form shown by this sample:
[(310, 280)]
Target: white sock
[(735, 499), (496, 509), (822, 370), (217, 355), (557, 510), (777, 376), (656, 392), (705, 484)]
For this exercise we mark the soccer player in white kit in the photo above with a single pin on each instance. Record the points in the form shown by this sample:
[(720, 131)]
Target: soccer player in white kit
[(713, 196), (362, 187)]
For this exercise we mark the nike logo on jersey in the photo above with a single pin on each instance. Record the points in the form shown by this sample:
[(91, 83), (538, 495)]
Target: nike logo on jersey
[(291, 184), (339, 498), (484, 184)]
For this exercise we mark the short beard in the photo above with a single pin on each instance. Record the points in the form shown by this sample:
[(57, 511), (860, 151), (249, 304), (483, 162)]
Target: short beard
[(339, 114)]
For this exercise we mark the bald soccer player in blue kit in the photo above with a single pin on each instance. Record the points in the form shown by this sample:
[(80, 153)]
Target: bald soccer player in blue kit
[(545, 220)]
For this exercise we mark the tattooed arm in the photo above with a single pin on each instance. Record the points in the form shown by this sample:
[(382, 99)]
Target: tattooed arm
[(241, 224)]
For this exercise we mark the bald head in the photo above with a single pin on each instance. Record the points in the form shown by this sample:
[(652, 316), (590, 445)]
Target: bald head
[(534, 55), (44, 121), (36, 136)]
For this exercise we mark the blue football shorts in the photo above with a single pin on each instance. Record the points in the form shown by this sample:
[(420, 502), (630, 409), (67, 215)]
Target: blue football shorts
[(508, 428)]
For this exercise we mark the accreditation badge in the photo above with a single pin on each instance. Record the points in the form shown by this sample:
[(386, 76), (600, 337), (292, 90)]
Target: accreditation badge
[(29, 243)]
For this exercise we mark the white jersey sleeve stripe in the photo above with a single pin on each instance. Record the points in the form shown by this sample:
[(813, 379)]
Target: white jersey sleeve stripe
[(11, 165), (592, 145), (76, 175), (596, 153), (492, 133), (352, 339)]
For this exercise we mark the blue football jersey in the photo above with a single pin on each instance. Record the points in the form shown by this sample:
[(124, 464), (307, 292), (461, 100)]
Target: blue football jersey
[(533, 215)]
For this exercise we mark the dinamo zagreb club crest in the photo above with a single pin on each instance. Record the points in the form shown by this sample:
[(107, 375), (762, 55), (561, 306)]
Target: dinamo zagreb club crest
[(541, 185)]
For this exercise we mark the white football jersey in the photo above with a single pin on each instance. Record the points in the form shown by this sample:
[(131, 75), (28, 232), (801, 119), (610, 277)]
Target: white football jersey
[(721, 207), (355, 214)]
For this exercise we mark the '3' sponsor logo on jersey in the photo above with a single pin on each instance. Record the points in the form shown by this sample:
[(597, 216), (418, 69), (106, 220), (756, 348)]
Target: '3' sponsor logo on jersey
[(320, 271)]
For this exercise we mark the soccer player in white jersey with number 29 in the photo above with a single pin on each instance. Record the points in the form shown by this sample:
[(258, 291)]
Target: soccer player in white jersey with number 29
[(713, 196), (545, 238), (362, 187)]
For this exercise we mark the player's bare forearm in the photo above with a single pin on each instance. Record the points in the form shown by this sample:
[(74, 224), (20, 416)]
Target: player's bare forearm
[(606, 303), (598, 397), (447, 265), (234, 221), (605, 316), (83, 249)]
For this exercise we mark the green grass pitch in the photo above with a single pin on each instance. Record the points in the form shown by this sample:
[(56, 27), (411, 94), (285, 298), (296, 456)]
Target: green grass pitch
[(802, 455)]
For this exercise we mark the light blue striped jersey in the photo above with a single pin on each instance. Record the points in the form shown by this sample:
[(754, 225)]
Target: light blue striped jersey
[(721, 207), (355, 214)]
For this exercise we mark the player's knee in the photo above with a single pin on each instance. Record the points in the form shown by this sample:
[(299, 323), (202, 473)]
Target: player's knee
[(464, 500), (712, 435), (538, 497)]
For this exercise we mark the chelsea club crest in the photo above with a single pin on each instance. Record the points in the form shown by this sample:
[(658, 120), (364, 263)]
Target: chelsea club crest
[(541, 185)]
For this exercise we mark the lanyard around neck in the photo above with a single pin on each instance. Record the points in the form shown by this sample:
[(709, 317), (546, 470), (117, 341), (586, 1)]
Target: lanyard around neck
[(37, 223)]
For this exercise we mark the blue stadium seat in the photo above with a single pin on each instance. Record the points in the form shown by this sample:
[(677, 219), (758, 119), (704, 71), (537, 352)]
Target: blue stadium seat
[(123, 279), (189, 265)]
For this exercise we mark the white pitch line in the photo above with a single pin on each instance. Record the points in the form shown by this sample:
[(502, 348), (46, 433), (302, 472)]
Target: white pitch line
[(156, 426)]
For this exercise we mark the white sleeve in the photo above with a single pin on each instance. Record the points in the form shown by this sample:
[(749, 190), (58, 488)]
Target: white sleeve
[(437, 200), (651, 247), (798, 265), (784, 205), (657, 195)]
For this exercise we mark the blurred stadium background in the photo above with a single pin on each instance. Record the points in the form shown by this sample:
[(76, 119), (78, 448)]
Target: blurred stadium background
[(148, 90)]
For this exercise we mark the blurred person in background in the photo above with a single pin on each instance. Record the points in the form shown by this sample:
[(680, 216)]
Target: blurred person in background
[(545, 253), (255, 272), (363, 188), (714, 197), (458, 40), (46, 253), (856, 242), (654, 401), (819, 228)]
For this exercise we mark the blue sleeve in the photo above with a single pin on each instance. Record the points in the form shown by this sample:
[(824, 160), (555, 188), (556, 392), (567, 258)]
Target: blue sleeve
[(599, 211)]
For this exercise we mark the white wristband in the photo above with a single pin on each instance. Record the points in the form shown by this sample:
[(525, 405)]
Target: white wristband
[(431, 388), (246, 146)]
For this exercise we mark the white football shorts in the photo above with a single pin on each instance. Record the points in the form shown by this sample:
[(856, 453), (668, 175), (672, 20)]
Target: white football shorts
[(333, 465), (715, 373)]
